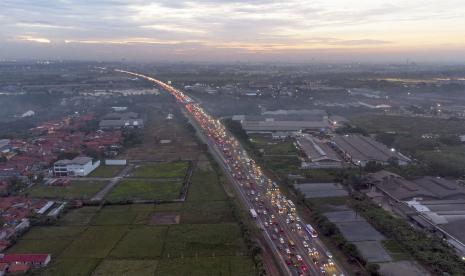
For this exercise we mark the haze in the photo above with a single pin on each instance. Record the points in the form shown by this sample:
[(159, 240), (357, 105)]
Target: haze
[(221, 30)]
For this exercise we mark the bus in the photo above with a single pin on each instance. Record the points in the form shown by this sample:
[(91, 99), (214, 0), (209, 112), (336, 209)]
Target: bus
[(312, 232), (253, 213)]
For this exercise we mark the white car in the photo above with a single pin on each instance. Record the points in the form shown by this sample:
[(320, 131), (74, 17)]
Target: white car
[(281, 240), (305, 244), (299, 258)]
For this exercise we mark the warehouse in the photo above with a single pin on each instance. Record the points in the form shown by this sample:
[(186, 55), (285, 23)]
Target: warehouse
[(360, 150), (79, 166), (433, 203), (319, 154)]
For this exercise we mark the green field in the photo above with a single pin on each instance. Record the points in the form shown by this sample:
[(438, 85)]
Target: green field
[(81, 216), (126, 267), (72, 266), (200, 266), (162, 170), (204, 240), (106, 171), (53, 232), (408, 125), (123, 240), (141, 242), (95, 242), (274, 147), (205, 186), (53, 246), (207, 212), (145, 190), (76, 190)]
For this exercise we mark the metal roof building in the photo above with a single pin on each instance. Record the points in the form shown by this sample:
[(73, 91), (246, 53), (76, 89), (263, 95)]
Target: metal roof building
[(361, 149)]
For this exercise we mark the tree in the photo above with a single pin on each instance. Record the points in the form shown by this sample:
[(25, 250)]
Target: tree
[(373, 269)]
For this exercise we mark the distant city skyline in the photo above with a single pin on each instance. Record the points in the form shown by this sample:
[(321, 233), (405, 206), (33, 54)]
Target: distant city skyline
[(222, 30)]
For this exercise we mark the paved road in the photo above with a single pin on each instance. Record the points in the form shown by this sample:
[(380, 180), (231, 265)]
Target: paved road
[(113, 182), (255, 190)]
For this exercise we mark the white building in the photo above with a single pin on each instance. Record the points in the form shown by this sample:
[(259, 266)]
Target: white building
[(79, 166)]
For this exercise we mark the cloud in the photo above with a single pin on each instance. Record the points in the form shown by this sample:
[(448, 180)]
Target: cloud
[(33, 39), (245, 26)]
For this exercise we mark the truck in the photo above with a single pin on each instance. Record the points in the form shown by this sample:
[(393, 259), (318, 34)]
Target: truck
[(253, 213)]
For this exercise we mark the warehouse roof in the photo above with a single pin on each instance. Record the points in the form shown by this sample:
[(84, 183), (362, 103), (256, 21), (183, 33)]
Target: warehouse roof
[(82, 160), (283, 125), (317, 150), (362, 148)]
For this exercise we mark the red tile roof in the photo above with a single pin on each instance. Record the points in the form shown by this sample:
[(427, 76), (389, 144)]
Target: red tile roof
[(25, 258)]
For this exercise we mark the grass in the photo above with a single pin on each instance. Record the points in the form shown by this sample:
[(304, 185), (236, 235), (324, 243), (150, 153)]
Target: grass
[(145, 190), (95, 242), (207, 212), (231, 265), (162, 170), (408, 125), (72, 266), (52, 246), (274, 147), (204, 240), (169, 207), (395, 250), (141, 242), (53, 232), (81, 216), (126, 267), (108, 217), (205, 186), (76, 190), (106, 171)]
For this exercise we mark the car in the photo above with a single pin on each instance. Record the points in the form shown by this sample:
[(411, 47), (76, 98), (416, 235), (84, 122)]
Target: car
[(303, 268), (305, 244), (288, 262), (288, 221), (329, 254), (299, 258), (288, 251), (281, 240), (265, 212), (266, 224), (306, 238)]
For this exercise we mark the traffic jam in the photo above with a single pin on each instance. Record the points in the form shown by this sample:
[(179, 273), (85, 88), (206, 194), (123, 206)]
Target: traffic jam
[(296, 241)]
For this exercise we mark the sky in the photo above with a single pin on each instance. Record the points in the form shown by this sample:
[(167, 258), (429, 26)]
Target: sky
[(234, 30)]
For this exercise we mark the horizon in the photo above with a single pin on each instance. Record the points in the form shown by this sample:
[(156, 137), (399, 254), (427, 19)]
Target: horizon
[(217, 31)]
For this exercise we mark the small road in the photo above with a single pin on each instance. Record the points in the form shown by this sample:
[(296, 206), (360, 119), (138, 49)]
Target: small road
[(113, 181)]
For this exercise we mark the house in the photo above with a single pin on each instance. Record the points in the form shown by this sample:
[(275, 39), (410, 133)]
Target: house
[(20, 269), (36, 260), (79, 166)]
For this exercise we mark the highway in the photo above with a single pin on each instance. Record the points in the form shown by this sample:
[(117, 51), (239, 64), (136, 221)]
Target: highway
[(294, 242)]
